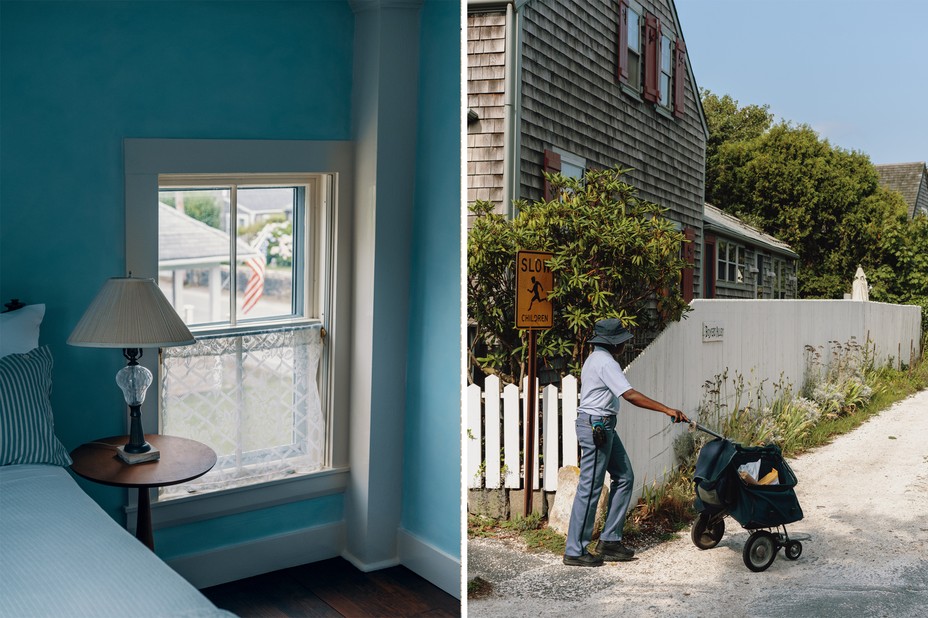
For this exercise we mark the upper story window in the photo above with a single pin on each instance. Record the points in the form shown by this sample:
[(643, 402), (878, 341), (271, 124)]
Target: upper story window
[(666, 76), (630, 45), (651, 59)]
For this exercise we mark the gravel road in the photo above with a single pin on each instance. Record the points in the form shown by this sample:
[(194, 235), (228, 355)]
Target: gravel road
[(865, 500)]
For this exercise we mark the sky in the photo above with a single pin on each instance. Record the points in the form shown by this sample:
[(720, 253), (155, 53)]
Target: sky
[(856, 71)]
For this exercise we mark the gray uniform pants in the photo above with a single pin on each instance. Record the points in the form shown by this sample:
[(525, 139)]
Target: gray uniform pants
[(594, 463)]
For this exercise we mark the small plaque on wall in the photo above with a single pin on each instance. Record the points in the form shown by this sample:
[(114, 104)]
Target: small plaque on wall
[(712, 331)]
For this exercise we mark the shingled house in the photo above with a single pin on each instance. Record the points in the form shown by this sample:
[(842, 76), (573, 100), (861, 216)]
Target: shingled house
[(741, 261), (560, 85), (909, 179)]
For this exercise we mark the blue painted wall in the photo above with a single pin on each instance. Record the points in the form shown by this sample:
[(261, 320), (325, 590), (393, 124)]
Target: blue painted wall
[(432, 464), (76, 79)]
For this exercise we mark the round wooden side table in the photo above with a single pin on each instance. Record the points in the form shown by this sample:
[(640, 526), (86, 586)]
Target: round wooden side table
[(181, 460)]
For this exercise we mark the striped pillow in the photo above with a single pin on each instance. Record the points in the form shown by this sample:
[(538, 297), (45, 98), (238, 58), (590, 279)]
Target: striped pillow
[(27, 428)]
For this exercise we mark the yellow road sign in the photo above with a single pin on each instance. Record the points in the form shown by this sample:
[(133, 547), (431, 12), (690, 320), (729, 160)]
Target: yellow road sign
[(534, 280)]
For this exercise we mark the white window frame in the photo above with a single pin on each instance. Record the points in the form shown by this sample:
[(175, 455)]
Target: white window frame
[(145, 160), (635, 81), (312, 295), (733, 256), (573, 161), (665, 77)]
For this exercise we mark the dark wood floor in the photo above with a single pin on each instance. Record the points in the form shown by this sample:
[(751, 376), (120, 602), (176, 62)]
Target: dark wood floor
[(334, 588)]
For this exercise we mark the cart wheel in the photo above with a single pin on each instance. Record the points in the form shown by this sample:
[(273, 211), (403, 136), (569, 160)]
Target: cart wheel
[(706, 532), (793, 550), (760, 550)]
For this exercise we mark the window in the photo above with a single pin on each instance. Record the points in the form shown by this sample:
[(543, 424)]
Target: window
[(666, 76), (572, 166), (730, 262), (651, 61), (779, 278), (252, 294), (630, 51)]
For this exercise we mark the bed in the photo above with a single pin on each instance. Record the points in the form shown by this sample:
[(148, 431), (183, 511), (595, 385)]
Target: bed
[(60, 553)]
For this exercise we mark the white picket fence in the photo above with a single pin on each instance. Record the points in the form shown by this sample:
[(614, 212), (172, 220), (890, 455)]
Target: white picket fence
[(494, 424)]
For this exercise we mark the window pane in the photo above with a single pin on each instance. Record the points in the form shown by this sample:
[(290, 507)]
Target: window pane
[(265, 285), (666, 59), (193, 252), (634, 31), (254, 399), (665, 89), (634, 70)]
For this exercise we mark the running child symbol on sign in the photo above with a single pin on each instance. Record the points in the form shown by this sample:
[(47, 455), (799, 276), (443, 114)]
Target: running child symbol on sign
[(536, 290)]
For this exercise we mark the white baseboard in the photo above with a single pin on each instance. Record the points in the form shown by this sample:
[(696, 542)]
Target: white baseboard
[(429, 562), (264, 555)]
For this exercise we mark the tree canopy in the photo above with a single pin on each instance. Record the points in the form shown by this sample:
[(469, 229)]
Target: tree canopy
[(614, 255), (823, 200)]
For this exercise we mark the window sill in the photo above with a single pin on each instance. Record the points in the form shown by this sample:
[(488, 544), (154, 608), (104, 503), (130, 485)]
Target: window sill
[(195, 508), (663, 111), (631, 92)]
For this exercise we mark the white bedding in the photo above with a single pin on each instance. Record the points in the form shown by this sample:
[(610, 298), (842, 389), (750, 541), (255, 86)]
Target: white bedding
[(62, 555)]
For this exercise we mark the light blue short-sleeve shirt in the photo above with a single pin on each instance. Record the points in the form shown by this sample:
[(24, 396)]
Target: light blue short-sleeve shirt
[(602, 382)]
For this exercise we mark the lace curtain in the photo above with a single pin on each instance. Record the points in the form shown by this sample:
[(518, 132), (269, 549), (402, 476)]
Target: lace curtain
[(253, 398)]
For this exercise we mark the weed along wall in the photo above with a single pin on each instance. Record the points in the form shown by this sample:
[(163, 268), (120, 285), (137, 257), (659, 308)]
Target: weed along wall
[(766, 342)]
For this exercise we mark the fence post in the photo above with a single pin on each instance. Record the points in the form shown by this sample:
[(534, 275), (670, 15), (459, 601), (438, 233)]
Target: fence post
[(569, 403), (491, 404), (550, 438), (474, 436), (511, 436)]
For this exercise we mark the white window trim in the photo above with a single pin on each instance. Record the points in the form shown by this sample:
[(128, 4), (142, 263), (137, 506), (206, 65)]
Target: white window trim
[(571, 159), (144, 161)]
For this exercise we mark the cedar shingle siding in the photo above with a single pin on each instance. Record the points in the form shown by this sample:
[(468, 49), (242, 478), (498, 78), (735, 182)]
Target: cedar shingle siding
[(571, 100), (486, 78)]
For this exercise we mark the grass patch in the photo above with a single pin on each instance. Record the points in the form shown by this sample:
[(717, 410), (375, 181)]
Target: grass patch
[(479, 588), (532, 530)]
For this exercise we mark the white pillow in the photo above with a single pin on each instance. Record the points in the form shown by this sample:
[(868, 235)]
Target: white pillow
[(19, 330)]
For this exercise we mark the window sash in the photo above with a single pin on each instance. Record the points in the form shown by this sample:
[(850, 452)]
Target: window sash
[(254, 398)]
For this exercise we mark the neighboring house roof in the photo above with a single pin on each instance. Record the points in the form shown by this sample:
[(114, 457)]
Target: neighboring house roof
[(728, 225), (909, 179), (265, 201), (186, 242)]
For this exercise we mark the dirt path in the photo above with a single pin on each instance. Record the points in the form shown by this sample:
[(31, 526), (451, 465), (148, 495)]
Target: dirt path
[(865, 500)]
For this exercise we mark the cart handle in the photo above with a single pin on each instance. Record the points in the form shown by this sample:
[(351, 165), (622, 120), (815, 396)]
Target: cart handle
[(696, 425)]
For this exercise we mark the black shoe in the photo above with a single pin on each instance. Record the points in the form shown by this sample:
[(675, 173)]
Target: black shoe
[(586, 560), (614, 551)]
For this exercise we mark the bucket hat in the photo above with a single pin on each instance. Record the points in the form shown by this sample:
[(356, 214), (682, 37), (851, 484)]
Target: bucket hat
[(610, 332)]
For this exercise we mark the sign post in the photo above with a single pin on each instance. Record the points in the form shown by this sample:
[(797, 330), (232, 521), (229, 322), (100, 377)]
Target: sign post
[(534, 312)]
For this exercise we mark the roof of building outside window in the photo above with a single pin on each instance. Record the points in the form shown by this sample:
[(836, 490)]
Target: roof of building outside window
[(186, 242), (726, 224), (906, 178)]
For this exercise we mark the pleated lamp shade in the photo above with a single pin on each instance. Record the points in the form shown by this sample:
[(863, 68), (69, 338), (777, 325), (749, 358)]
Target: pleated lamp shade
[(130, 312)]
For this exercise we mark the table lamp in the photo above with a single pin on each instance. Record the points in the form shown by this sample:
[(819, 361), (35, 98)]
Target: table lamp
[(131, 313)]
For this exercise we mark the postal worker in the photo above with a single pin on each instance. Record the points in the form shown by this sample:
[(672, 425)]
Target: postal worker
[(602, 382)]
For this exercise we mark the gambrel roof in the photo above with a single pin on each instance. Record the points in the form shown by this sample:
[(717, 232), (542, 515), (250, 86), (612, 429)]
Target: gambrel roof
[(909, 179)]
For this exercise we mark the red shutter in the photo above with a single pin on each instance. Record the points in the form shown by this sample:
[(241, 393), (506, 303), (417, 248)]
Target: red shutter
[(652, 58), (552, 165), (688, 252), (622, 63), (679, 79)]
